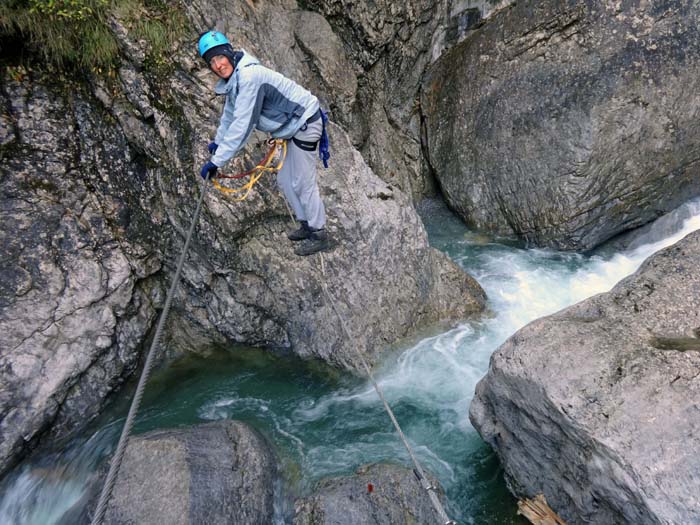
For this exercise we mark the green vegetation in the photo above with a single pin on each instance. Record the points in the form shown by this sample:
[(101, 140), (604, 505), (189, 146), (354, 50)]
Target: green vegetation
[(77, 33), (158, 22)]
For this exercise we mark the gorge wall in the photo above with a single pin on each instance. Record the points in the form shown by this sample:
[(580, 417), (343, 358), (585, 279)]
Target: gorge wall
[(566, 123), (99, 183)]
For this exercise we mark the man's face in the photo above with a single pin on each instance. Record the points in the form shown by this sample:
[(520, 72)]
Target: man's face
[(220, 65)]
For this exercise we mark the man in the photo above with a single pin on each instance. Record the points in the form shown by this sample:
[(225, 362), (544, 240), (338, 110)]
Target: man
[(257, 97)]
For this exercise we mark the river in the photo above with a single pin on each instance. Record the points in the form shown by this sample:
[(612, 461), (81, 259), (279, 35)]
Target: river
[(324, 423)]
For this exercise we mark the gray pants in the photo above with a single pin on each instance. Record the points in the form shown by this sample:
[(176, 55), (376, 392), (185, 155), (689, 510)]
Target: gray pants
[(297, 178)]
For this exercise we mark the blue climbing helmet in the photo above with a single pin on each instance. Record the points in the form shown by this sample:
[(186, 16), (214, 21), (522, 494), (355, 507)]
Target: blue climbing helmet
[(212, 43)]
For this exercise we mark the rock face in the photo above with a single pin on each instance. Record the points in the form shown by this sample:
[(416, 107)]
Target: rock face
[(597, 405), (77, 296), (389, 45), (219, 473), (396, 497), (568, 122), (99, 184)]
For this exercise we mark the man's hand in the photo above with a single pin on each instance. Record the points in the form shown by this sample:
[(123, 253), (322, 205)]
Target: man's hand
[(212, 147), (209, 170)]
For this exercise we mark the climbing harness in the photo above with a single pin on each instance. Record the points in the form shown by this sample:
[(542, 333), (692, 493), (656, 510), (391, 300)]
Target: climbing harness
[(278, 149), (323, 143), (136, 402)]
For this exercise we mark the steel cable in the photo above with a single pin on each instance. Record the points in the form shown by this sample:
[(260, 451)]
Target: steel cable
[(128, 424)]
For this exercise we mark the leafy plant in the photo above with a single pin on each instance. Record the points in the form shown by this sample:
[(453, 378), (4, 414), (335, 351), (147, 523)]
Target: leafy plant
[(76, 33), (77, 10)]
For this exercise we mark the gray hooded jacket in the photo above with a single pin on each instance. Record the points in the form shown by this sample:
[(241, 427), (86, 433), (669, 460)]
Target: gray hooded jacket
[(257, 97)]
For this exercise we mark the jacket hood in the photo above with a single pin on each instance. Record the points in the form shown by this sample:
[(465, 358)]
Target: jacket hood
[(223, 86)]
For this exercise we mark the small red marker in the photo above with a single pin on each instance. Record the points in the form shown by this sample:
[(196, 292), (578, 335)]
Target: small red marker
[(370, 488)]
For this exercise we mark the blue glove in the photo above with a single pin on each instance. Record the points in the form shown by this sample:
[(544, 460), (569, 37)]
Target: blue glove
[(212, 147), (209, 170)]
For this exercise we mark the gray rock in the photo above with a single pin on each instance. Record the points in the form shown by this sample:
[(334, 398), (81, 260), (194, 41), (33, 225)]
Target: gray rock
[(567, 123), (76, 299), (597, 405), (396, 497), (334, 74), (99, 185), (382, 277), (389, 45), (460, 19), (218, 473)]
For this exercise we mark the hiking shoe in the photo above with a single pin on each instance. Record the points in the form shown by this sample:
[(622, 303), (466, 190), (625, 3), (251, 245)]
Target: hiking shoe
[(318, 241), (303, 232)]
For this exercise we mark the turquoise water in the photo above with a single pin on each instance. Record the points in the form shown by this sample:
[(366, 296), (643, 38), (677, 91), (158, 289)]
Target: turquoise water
[(324, 423)]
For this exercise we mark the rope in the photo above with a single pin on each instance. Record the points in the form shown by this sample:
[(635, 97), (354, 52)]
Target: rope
[(418, 471), (257, 172), (123, 440)]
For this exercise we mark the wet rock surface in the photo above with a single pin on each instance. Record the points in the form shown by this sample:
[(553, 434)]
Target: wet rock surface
[(567, 123), (378, 494), (597, 405), (219, 473), (99, 185)]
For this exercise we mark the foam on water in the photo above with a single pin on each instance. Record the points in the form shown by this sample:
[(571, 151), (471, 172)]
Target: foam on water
[(36, 498), (47, 490)]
